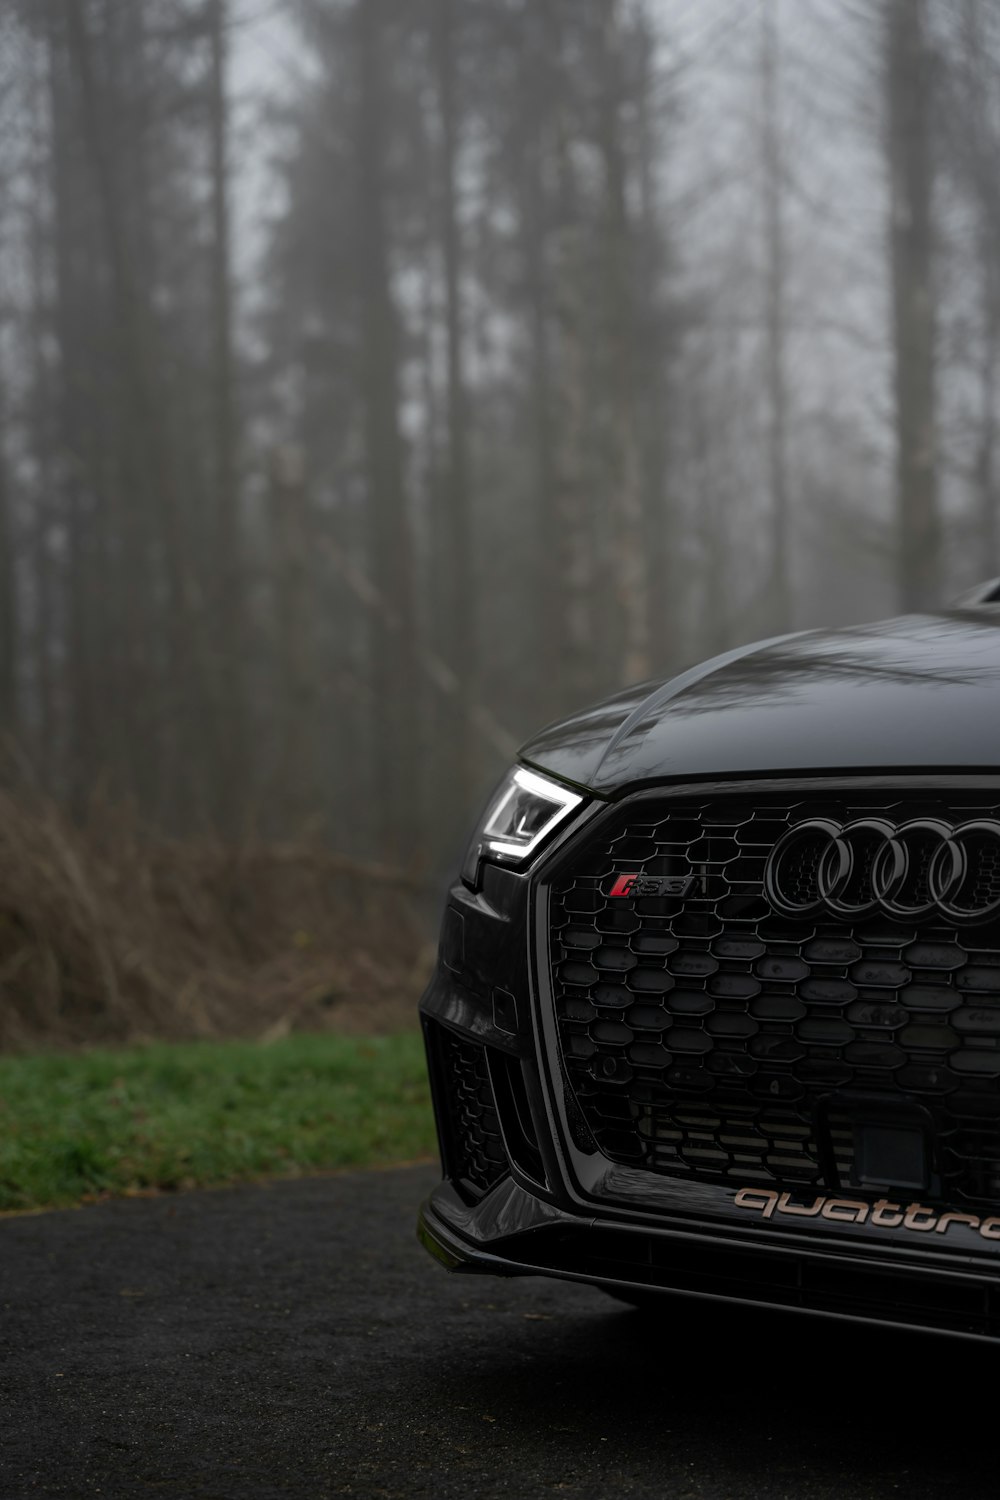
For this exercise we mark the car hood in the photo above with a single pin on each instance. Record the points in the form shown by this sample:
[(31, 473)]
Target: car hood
[(919, 692)]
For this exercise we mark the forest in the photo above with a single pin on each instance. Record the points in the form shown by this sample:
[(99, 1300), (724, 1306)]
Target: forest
[(380, 379)]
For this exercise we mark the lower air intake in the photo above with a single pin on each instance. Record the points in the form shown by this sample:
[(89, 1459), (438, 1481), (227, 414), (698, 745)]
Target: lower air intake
[(476, 1156)]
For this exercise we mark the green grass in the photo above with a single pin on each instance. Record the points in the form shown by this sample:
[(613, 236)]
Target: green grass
[(77, 1126)]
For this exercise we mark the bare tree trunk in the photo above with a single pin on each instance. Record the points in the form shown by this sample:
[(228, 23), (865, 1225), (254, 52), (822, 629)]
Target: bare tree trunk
[(42, 436), (135, 483), (574, 556), (296, 792), (986, 479), (655, 350), (976, 141), (394, 729), (632, 580), (457, 558), (908, 91), (8, 596), (78, 685), (152, 491), (229, 687), (775, 272), (548, 595)]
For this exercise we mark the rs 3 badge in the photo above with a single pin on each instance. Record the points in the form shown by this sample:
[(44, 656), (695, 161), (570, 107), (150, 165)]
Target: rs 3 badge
[(639, 886)]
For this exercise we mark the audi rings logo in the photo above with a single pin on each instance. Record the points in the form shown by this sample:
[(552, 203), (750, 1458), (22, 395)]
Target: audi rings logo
[(908, 870)]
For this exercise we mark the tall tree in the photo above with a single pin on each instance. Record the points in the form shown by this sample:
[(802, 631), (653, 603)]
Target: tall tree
[(626, 500), (575, 553), (656, 339), (229, 678), (534, 137), (972, 116), (137, 451), (775, 323), (909, 100), (8, 593), (458, 553), (296, 789), (394, 729)]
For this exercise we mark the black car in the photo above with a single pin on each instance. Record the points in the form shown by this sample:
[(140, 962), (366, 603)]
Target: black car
[(717, 1004)]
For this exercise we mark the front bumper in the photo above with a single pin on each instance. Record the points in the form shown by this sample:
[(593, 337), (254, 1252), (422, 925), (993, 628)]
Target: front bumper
[(557, 1206)]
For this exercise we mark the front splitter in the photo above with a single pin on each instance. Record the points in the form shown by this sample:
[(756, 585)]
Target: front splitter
[(751, 1273)]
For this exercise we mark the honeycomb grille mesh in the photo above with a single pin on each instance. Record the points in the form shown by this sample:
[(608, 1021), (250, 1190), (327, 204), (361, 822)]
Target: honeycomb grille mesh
[(478, 1159), (699, 1034)]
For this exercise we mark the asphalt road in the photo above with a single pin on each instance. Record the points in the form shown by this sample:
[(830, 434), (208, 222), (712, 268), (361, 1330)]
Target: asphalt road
[(294, 1340)]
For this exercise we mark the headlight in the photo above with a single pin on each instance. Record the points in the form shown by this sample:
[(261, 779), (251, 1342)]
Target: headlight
[(521, 814)]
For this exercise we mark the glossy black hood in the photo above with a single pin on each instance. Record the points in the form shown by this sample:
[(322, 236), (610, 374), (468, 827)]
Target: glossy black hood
[(919, 692)]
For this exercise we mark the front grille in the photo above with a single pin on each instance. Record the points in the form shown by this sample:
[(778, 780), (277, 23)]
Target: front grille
[(476, 1156), (712, 1037)]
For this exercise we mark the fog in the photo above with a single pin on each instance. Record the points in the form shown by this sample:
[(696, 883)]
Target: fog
[(380, 379)]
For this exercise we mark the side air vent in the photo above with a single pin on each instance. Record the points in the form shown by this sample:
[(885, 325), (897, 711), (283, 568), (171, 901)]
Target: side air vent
[(475, 1157), (515, 1115)]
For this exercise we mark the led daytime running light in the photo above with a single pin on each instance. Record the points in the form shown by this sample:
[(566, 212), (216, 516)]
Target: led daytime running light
[(559, 797)]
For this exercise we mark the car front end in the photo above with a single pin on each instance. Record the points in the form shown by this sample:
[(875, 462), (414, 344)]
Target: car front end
[(717, 1004)]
